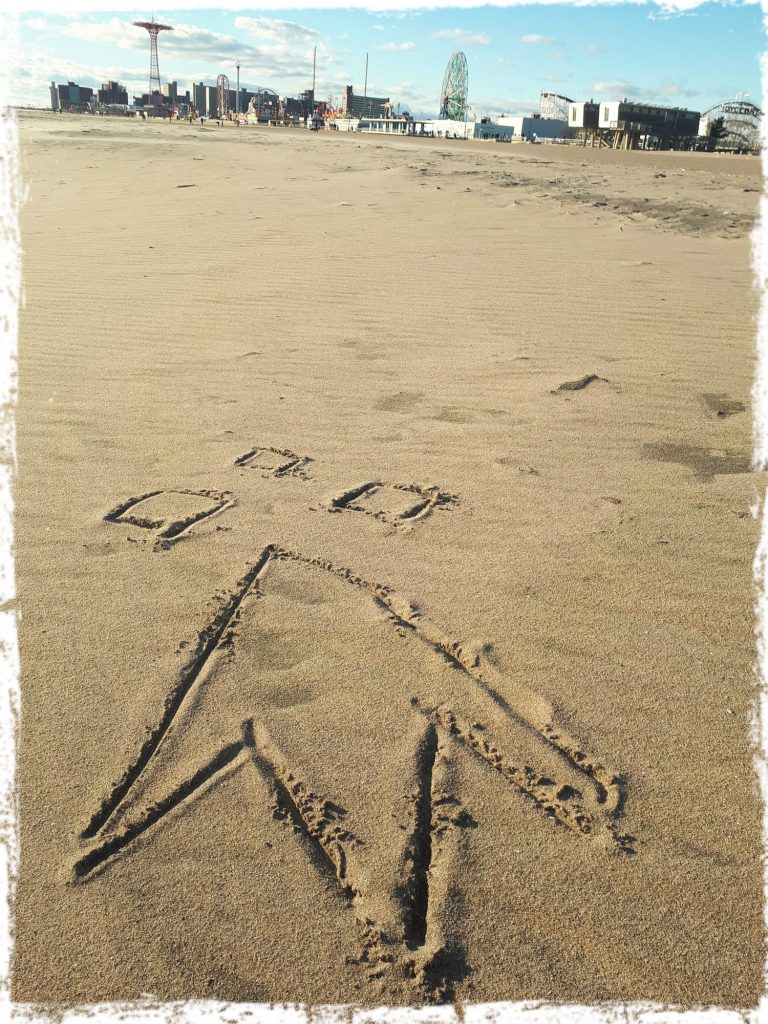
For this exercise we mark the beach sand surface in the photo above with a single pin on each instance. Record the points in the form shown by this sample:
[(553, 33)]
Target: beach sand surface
[(384, 529)]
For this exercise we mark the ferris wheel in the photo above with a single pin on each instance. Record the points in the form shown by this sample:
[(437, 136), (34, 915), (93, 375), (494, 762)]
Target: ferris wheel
[(453, 96)]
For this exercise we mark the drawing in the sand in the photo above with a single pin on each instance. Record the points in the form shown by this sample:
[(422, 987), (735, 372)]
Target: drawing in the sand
[(170, 514), (396, 504), (466, 707), (275, 462)]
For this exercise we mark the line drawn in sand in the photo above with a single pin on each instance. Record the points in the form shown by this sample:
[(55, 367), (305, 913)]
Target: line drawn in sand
[(399, 505), (170, 513), (410, 949), (276, 462)]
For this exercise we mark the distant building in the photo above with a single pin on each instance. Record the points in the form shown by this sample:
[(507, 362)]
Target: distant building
[(300, 106), (442, 127), (528, 128), (405, 125), (486, 129), (664, 123), (197, 97), (363, 106), (211, 107), (583, 115), (176, 98), (70, 97), (112, 92)]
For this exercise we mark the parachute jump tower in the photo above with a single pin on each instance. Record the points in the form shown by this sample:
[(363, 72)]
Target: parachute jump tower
[(154, 69)]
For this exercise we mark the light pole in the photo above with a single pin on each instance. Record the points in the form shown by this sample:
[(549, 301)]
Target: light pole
[(237, 97)]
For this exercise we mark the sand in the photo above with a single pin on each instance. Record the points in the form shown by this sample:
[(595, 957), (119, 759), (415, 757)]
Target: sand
[(363, 661)]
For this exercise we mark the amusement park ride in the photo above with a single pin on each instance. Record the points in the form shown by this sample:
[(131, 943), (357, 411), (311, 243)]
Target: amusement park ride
[(267, 106), (453, 95), (741, 121)]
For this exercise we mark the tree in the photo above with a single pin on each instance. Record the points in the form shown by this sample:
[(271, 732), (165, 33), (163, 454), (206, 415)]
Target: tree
[(717, 131)]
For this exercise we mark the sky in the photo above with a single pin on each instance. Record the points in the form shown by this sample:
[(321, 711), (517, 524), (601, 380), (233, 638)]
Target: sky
[(694, 58)]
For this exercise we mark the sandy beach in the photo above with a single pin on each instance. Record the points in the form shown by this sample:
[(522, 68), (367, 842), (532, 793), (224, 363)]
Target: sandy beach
[(384, 529)]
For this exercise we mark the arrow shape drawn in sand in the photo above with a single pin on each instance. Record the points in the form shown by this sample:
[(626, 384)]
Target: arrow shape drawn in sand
[(407, 943)]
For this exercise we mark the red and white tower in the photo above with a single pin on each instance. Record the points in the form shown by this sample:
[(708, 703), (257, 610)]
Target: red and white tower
[(154, 69)]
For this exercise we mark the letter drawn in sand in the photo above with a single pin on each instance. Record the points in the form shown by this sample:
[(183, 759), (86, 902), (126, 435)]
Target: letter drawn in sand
[(400, 505), (170, 514), (275, 462), (464, 709)]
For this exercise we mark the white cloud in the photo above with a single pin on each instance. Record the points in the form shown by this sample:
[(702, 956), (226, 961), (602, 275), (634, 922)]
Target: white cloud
[(29, 82), (114, 32), (215, 49), (37, 24), (662, 93), (378, 28), (675, 89), (675, 9), (418, 103), (401, 47), (534, 39), (188, 53), (614, 88), (462, 37), (593, 48), (505, 106), (273, 28)]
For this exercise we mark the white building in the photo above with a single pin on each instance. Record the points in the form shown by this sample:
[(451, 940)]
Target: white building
[(443, 128), (497, 132), (528, 128), (404, 126), (583, 115)]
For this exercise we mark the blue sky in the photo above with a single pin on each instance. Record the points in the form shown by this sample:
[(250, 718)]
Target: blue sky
[(695, 58)]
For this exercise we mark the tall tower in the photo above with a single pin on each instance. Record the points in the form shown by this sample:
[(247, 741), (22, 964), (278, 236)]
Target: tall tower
[(222, 96), (154, 70)]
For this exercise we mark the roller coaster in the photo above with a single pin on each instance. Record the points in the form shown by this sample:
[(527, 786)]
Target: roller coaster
[(741, 121)]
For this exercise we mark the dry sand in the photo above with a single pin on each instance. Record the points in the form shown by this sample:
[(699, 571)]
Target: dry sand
[(361, 661)]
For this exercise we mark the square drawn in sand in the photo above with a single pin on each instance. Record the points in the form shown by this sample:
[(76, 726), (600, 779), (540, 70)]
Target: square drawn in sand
[(170, 513), (397, 504), (275, 462)]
